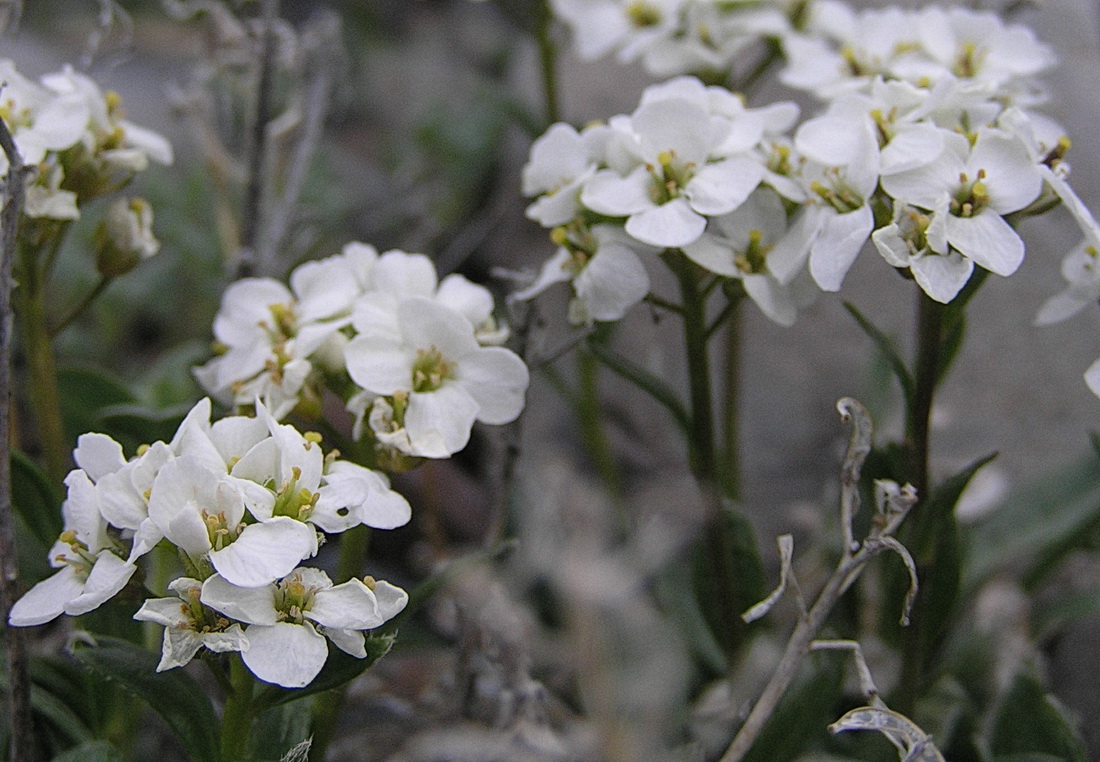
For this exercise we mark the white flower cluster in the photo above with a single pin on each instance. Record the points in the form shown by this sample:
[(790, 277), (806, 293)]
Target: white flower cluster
[(673, 37), (242, 501), (75, 136), (692, 168), (411, 355), (928, 146), (928, 142)]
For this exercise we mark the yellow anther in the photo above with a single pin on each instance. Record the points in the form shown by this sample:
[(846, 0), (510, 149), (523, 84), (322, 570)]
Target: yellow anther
[(68, 537), (312, 437), (370, 582)]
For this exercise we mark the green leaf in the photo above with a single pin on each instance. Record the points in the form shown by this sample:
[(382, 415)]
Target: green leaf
[(134, 425), (728, 548), (686, 612), (278, 731), (174, 695), (340, 668), (888, 348), (93, 751), (35, 500), (1043, 516), (1031, 721), (53, 709), (84, 392)]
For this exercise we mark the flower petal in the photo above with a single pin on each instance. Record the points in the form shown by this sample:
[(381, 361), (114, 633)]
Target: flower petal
[(285, 654), (265, 552), (988, 240), (251, 605), (348, 606), (496, 379), (669, 225), (46, 601)]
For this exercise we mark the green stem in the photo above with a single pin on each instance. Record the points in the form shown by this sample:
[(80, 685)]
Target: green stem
[(548, 62), (930, 317), (592, 429), (731, 447), (84, 304), (42, 390), (723, 536), (922, 539), (328, 705), (237, 717)]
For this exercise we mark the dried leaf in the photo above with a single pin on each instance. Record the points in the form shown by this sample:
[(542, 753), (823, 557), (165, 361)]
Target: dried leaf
[(786, 553), (893, 725)]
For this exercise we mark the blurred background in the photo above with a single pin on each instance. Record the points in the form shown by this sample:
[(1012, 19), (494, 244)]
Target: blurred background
[(434, 107)]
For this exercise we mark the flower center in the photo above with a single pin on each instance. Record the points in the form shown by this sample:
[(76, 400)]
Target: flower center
[(81, 559), (293, 598), (430, 370), (642, 14), (669, 178), (292, 501), (968, 60), (200, 618), (752, 260), (971, 197), (219, 531), (839, 195)]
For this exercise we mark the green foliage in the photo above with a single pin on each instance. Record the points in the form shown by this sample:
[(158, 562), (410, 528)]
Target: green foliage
[(1036, 525), (1031, 722), (93, 751), (278, 730), (35, 500), (174, 695), (888, 348), (84, 393)]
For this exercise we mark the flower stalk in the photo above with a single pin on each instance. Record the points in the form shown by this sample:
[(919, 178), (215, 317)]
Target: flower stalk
[(237, 716)]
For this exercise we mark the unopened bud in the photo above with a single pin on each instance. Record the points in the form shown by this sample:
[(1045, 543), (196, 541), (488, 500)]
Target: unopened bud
[(125, 237)]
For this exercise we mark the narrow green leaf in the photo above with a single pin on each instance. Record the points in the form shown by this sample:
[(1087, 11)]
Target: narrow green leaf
[(48, 707), (93, 751), (35, 500), (1033, 519), (1031, 721), (173, 694), (888, 348), (686, 612), (649, 383), (133, 425)]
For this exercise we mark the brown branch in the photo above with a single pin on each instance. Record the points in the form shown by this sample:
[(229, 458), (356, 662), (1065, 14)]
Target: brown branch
[(22, 747)]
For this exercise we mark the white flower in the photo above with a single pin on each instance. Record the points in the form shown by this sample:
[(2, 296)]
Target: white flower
[(91, 570), (607, 275), (289, 621), (755, 244), (189, 625), (842, 171), (918, 242), (443, 378), (202, 512), (975, 186), (675, 185), (561, 161), (1081, 270)]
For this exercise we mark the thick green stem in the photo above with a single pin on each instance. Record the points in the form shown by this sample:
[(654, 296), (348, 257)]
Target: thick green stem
[(930, 314), (42, 391), (724, 540), (922, 539), (237, 717)]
